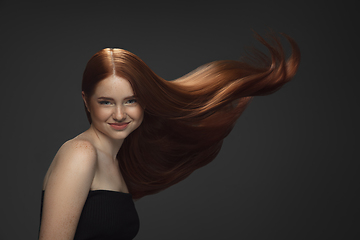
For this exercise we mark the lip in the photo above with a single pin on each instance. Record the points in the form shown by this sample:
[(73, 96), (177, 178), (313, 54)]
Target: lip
[(119, 126)]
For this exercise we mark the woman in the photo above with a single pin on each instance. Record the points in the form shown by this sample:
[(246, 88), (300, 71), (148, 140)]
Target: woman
[(146, 134)]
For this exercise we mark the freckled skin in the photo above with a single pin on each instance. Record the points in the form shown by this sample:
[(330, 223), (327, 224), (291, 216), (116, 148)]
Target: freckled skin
[(119, 109), (89, 160)]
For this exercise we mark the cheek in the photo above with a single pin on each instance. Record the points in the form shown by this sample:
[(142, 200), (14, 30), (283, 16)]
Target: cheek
[(136, 114), (100, 113)]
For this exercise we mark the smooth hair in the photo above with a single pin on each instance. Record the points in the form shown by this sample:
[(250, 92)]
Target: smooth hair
[(186, 120)]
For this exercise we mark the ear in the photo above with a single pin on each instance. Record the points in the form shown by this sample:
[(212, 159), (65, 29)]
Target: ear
[(85, 100)]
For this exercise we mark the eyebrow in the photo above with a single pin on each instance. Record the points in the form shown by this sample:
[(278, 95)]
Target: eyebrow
[(107, 98)]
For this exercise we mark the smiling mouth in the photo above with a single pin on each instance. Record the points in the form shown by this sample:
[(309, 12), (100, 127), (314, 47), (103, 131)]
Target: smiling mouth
[(119, 126)]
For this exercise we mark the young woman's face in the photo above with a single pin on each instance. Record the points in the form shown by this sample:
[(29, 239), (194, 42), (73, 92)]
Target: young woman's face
[(114, 109)]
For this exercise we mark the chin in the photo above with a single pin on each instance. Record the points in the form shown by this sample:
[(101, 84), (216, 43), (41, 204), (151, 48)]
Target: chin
[(119, 136)]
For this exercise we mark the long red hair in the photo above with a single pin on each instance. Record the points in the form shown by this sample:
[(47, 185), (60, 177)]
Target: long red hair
[(185, 120)]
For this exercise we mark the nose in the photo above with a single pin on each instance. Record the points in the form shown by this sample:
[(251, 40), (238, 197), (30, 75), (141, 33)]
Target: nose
[(119, 114)]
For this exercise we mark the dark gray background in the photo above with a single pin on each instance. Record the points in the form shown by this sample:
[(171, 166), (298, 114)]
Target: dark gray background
[(287, 171)]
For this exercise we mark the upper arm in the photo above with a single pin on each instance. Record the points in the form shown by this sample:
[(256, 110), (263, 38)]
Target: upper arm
[(67, 189)]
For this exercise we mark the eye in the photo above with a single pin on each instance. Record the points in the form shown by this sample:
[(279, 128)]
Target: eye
[(105, 102), (131, 101)]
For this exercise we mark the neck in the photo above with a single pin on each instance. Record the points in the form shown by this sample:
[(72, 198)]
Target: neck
[(108, 145)]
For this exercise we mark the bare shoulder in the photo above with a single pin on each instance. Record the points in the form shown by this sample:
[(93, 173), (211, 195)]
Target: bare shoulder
[(75, 156), (83, 149), (67, 187)]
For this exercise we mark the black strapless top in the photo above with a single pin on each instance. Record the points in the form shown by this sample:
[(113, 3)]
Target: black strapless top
[(106, 215)]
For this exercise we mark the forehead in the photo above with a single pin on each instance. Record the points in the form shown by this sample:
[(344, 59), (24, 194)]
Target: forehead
[(114, 87)]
